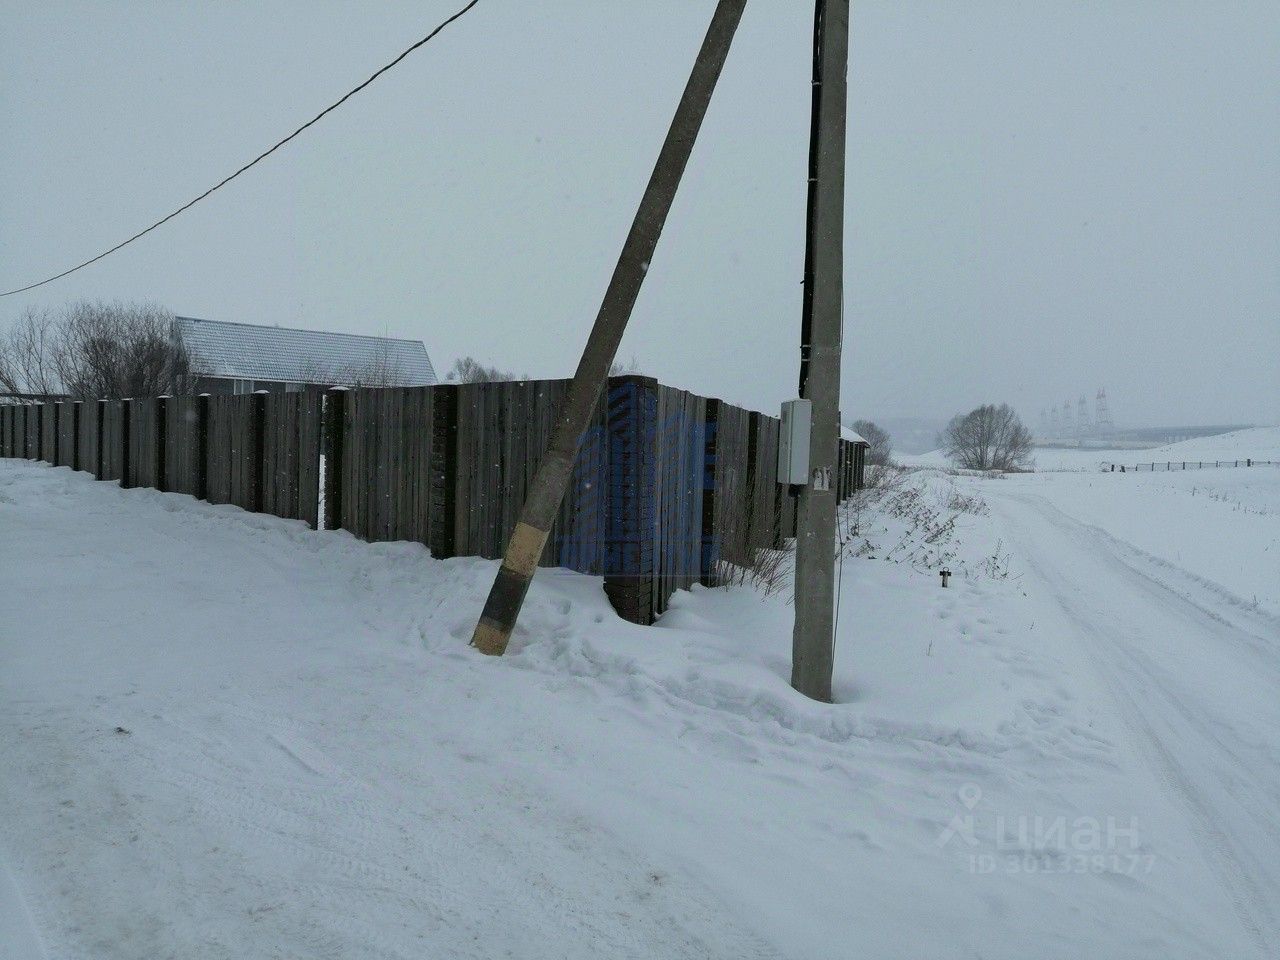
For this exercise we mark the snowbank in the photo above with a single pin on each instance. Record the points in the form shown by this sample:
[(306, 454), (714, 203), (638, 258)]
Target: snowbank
[(222, 734)]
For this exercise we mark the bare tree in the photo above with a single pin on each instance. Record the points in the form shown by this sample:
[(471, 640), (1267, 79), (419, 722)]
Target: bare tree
[(93, 351), (879, 445), (988, 438), (27, 354), (471, 370), (110, 350)]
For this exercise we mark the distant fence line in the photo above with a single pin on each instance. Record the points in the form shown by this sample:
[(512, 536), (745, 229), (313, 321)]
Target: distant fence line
[(668, 486), (1168, 466)]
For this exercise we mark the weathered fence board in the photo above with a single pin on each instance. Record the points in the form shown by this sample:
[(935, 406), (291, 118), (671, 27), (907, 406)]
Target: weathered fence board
[(114, 426), (68, 432), (681, 482), (725, 494), (499, 435), (31, 431), (8, 447), (291, 455), (49, 432), (763, 512), (87, 436), (183, 457), (144, 463), (231, 447), (379, 462)]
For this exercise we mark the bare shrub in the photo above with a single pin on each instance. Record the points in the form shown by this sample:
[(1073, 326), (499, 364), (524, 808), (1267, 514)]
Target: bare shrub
[(769, 571), (926, 534), (989, 437), (967, 503), (620, 369), (769, 568), (883, 476), (996, 566)]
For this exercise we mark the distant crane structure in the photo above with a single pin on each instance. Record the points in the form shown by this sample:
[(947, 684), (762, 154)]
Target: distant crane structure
[(1102, 414), (1072, 420)]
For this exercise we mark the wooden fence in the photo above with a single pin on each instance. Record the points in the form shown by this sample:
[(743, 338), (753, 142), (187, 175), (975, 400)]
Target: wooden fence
[(1166, 466), (668, 486)]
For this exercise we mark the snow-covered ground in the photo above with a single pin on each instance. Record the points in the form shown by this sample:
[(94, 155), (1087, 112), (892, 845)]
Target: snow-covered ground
[(225, 735)]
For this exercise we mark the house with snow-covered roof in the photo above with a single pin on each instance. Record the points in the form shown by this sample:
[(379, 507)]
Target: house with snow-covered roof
[(228, 357)]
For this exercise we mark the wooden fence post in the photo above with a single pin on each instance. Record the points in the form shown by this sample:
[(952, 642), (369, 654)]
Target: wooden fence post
[(102, 416), (159, 432), (444, 471), (77, 409), (126, 416), (202, 451), (259, 450), (334, 424), (709, 560)]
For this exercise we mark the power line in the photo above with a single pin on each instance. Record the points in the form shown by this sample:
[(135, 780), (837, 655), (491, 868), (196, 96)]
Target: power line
[(262, 156)]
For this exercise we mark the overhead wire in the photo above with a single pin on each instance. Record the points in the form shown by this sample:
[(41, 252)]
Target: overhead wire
[(260, 157)]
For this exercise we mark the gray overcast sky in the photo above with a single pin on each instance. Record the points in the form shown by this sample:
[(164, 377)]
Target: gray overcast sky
[(1044, 198)]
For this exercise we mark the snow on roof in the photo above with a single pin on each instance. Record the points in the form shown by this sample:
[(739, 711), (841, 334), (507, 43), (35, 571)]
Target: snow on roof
[(847, 433), (246, 351)]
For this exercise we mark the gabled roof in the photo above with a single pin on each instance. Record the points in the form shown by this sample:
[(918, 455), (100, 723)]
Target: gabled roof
[(245, 351), (848, 433)]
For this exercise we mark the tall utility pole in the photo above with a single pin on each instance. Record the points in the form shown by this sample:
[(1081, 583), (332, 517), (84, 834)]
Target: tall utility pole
[(813, 643), (547, 490)]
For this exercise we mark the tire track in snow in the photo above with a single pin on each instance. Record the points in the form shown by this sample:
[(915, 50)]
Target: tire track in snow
[(1180, 582), (1121, 669), (19, 939)]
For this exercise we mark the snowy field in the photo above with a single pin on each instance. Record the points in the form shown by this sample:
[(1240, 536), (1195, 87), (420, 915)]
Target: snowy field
[(1258, 443), (225, 735)]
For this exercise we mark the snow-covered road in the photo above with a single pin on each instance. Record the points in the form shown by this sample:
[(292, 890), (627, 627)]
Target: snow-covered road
[(1193, 671)]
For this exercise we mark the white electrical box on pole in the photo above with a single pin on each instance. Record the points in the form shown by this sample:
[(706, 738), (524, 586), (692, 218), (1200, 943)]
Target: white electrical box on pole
[(793, 442)]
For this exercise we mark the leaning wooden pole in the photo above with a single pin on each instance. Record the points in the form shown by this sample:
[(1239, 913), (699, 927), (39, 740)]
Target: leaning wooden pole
[(547, 491)]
